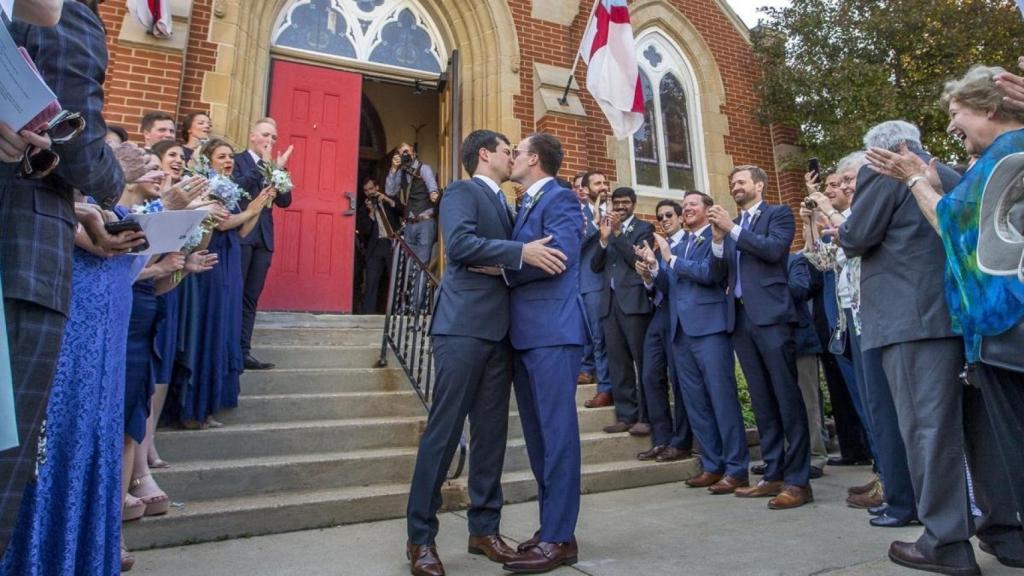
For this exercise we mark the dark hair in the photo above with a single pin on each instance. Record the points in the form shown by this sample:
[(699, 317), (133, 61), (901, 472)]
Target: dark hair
[(162, 147), (212, 144), (118, 131), (186, 123), (151, 118), (589, 175), (624, 192), (578, 176), (548, 150), (668, 202), (707, 200), (756, 173), (476, 140), (94, 5), (366, 181)]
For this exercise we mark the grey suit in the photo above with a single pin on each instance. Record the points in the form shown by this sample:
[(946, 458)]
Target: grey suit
[(904, 314)]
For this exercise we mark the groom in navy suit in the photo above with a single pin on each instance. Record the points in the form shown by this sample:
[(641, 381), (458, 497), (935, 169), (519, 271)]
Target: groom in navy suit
[(755, 250), (472, 356), (548, 334)]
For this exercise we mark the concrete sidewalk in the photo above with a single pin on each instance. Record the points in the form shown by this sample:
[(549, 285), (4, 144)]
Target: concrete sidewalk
[(668, 529)]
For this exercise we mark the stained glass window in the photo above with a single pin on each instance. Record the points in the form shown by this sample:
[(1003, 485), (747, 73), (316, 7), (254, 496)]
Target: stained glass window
[(645, 141), (390, 32)]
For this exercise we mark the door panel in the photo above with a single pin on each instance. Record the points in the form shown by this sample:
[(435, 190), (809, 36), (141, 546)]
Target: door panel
[(317, 112)]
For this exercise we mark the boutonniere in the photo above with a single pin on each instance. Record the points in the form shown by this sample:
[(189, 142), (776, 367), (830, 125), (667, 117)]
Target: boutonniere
[(151, 207), (629, 229), (698, 241), (756, 216)]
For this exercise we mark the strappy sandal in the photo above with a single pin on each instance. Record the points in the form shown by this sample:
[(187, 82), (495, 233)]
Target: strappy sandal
[(159, 464), (127, 560), (211, 423), (156, 504), (132, 508)]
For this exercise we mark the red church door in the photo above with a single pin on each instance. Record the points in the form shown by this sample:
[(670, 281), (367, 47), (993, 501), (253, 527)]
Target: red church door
[(317, 112)]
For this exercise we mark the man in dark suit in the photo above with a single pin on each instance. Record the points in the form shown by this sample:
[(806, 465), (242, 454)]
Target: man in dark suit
[(905, 318), (591, 284), (671, 436), (38, 220), (376, 231), (257, 247), (702, 351), (754, 248), (472, 355), (548, 332), (625, 309)]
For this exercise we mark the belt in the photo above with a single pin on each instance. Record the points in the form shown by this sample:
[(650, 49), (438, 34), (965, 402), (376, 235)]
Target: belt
[(420, 218)]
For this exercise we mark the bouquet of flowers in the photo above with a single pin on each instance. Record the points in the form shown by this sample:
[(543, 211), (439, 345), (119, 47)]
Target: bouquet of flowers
[(199, 165), (277, 177), (225, 191), (150, 207)]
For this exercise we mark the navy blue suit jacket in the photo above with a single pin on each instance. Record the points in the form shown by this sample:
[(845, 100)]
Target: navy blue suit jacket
[(247, 175), (696, 289), (804, 285), (548, 310), (617, 262), (590, 281), (763, 266), (476, 232)]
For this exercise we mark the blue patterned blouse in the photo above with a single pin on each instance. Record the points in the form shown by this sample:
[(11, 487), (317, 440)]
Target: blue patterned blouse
[(980, 304)]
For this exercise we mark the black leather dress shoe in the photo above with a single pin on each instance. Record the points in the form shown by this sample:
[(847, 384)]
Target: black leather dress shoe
[(837, 461), (758, 469), (878, 510), (906, 554), (816, 472), (1011, 562), (886, 521), (252, 363)]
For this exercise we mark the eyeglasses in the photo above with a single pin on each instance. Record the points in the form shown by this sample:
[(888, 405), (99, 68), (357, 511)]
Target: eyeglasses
[(64, 127), (516, 152), (665, 216)]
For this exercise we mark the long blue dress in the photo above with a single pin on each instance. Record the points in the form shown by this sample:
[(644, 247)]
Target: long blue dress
[(209, 361), (140, 371), (168, 308), (70, 520)]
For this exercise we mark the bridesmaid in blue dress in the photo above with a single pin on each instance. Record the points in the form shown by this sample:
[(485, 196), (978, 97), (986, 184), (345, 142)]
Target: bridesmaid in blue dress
[(206, 375), (70, 519)]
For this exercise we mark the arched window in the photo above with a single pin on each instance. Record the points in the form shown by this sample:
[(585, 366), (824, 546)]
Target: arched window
[(393, 33), (668, 149)]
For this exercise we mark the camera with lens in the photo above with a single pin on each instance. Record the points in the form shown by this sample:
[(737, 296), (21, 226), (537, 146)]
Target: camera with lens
[(810, 204), (406, 159)]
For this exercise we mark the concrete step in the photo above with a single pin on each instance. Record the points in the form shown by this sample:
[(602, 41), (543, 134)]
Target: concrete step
[(283, 438), (273, 513), (306, 320), (323, 381), (340, 405), (321, 356), (318, 336), (212, 480)]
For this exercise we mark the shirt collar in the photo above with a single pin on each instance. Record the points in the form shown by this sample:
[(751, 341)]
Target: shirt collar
[(627, 221), (753, 209), (490, 183), (255, 157), (700, 232), (847, 212), (535, 189), (677, 237)]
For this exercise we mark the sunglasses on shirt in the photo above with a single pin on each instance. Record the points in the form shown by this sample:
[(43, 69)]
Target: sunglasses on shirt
[(40, 162)]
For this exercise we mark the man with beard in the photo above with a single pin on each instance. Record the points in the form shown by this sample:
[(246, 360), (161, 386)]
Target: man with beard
[(595, 186)]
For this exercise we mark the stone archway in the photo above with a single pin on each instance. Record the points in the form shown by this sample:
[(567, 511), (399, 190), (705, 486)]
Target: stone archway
[(482, 30), (670, 22)]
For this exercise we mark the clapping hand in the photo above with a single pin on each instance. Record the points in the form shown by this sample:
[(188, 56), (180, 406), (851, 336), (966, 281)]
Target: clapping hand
[(605, 228), (720, 221), (903, 165), (200, 261), (645, 273), (282, 158), (181, 195), (1012, 86), (663, 247)]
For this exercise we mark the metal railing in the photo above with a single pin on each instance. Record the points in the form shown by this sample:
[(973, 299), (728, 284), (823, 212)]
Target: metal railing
[(412, 289)]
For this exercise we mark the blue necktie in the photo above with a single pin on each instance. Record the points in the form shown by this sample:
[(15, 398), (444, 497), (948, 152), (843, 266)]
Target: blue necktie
[(739, 284), (689, 246), (527, 202)]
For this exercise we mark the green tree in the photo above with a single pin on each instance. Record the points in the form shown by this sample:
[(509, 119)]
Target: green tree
[(834, 68)]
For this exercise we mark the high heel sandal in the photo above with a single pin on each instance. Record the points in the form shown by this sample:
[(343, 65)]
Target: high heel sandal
[(132, 508), (158, 464), (127, 560), (156, 504)]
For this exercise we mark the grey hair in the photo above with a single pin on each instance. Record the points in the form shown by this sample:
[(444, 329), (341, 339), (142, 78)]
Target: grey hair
[(889, 135), (852, 161)]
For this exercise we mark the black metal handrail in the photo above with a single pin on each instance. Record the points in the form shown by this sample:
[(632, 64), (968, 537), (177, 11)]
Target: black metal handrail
[(411, 292)]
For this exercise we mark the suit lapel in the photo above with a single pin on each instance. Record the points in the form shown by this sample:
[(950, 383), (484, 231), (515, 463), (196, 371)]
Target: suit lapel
[(502, 212), (525, 214)]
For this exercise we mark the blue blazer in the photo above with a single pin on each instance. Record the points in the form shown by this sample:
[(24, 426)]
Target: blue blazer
[(804, 286), (248, 176), (696, 289), (590, 281), (765, 247), (476, 232), (548, 310)]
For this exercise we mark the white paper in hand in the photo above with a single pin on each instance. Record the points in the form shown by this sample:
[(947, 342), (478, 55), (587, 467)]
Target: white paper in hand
[(23, 94), (7, 6), (167, 231)]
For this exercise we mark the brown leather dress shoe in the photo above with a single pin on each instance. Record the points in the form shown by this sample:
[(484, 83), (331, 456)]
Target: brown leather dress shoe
[(618, 428), (640, 429), (762, 489), (651, 454), (423, 560), (728, 485), (585, 378), (791, 497), (906, 554), (864, 488), (544, 557), (704, 480), (671, 454), (493, 547), (600, 400)]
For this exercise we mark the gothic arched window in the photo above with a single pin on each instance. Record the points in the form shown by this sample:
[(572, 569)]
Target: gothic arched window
[(393, 33), (666, 150)]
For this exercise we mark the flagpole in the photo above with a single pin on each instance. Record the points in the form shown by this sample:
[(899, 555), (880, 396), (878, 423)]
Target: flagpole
[(564, 100)]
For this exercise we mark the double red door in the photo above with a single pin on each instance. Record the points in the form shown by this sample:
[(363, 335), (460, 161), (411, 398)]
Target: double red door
[(317, 112)]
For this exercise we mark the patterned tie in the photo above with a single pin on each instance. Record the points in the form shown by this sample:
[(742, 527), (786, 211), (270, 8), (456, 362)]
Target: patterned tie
[(739, 285)]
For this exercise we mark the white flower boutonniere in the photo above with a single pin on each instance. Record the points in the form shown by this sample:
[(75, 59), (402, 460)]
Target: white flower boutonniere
[(756, 216), (629, 229), (698, 241)]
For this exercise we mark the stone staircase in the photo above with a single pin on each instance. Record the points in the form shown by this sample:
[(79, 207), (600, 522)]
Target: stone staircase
[(325, 439)]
